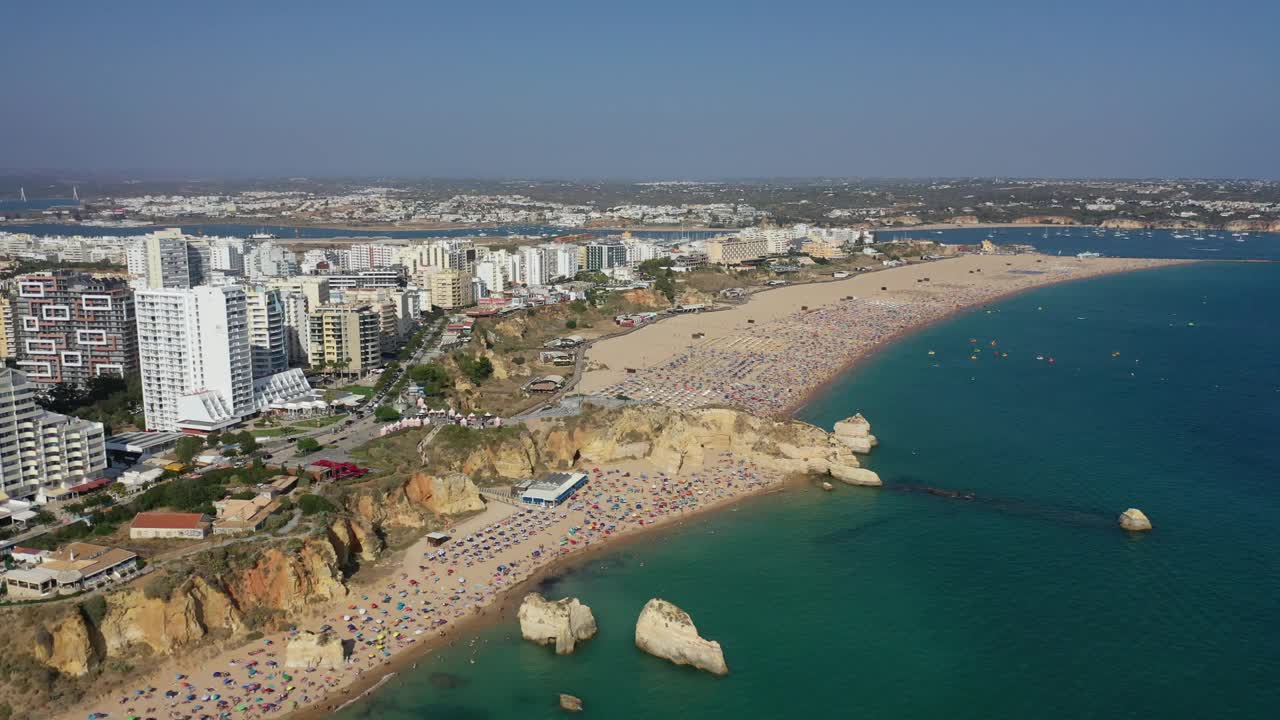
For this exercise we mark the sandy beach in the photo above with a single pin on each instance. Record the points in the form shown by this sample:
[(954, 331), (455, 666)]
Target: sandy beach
[(428, 596), (768, 355), (765, 356)]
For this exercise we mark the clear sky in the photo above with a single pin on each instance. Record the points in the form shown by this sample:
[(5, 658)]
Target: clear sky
[(652, 89)]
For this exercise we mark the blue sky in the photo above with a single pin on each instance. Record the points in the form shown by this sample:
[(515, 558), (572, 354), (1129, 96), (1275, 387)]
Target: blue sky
[(644, 90)]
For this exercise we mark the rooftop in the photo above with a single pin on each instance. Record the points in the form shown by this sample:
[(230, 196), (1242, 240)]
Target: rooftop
[(168, 521)]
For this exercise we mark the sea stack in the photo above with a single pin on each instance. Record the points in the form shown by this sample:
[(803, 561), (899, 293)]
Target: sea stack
[(855, 433), (562, 623), (1134, 520), (664, 630)]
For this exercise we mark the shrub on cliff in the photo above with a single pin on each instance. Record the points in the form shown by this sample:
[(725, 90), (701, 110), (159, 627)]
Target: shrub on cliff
[(312, 504)]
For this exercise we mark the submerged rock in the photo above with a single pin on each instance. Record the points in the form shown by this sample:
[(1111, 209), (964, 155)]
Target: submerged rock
[(570, 703), (1135, 520), (828, 486), (664, 630), (561, 622)]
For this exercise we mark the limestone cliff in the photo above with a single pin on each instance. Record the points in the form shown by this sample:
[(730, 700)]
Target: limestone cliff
[(1124, 224), (562, 623), (290, 581), (454, 494), (1044, 220), (963, 220), (666, 631), (672, 440), (199, 609), (402, 506), (193, 610), (308, 650), (67, 646)]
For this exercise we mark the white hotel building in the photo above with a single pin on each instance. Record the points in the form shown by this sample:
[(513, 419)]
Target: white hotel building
[(40, 450), (195, 356)]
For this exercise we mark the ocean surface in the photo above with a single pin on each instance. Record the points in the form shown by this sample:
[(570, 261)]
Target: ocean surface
[(1025, 601)]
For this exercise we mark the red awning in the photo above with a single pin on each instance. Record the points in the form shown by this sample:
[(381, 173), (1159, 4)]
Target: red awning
[(92, 485)]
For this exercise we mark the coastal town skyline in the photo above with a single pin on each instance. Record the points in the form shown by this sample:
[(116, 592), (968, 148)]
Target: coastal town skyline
[(665, 91), (409, 359)]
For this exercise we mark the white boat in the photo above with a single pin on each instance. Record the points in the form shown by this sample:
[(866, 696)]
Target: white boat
[(1088, 254)]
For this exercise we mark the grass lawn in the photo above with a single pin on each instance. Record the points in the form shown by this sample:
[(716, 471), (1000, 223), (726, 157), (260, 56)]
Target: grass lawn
[(318, 422), (361, 390), (275, 431)]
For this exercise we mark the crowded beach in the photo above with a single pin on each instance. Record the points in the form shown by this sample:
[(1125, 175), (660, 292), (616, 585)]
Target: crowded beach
[(765, 357), (429, 597)]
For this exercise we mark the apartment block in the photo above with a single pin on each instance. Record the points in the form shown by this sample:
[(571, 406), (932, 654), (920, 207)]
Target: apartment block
[(735, 250), (73, 327), (450, 289), (346, 337), (195, 357), (39, 449), (267, 342)]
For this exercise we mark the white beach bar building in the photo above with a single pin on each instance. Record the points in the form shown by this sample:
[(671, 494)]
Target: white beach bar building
[(551, 490)]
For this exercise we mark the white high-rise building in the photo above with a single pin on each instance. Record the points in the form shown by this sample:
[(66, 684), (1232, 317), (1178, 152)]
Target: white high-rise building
[(491, 276), (267, 339), (195, 357), (566, 260), (269, 260), (534, 266), (39, 449), (227, 257)]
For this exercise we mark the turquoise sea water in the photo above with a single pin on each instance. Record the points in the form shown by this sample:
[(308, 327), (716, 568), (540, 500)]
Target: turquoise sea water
[(1025, 601)]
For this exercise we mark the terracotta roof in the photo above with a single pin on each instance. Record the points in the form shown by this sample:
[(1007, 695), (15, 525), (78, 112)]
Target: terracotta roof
[(168, 521)]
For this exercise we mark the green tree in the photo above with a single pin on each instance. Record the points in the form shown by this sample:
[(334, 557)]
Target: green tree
[(213, 439), (248, 443), (477, 369), (386, 413), (432, 377), (312, 504), (187, 448), (308, 445), (571, 324)]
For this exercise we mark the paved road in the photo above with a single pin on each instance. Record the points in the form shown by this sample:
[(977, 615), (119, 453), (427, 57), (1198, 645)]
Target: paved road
[(339, 439)]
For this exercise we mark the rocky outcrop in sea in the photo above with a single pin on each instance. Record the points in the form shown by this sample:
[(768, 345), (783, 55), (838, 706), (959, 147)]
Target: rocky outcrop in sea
[(562, 623), (664, 630)]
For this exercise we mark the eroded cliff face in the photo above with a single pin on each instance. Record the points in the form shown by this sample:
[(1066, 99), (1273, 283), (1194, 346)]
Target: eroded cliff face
[(672, 441), (66, 646), (200, 609), (194, 610)]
